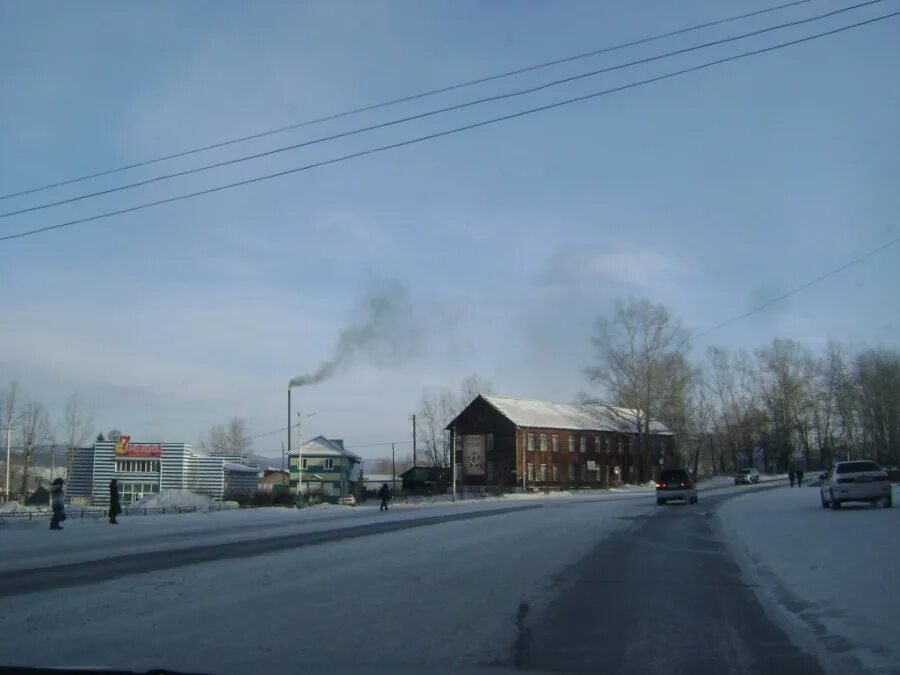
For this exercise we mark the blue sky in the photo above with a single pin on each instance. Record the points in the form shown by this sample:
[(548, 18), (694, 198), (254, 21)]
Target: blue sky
[(710, 193)]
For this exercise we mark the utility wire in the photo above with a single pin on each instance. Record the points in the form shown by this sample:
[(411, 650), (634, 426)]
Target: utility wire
[(411, 97), (801, 287), (439, 111), (441, 134)]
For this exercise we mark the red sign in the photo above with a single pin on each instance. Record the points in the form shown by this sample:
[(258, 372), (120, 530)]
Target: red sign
[(125, 448)]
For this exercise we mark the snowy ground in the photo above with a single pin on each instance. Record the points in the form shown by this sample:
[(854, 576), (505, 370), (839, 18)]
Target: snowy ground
[(831, 576)]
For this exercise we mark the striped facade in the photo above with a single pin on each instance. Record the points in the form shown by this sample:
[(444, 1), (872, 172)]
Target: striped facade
[(177, 468), (80, 474)]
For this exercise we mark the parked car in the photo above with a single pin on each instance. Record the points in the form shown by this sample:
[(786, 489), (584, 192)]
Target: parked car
[(855, 481), (746, 477), (675, 484)]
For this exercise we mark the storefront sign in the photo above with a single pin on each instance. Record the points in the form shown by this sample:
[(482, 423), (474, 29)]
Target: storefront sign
[(125, 448)]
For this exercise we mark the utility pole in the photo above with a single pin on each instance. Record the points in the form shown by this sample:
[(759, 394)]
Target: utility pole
[(414, 441), (393, 468), (8, 432), (453, 461)]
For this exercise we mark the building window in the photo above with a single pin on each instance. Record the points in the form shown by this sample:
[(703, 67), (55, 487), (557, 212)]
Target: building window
[(530, 442), (303, 462), (555, 443), (329, 464), (582, 444), (555, 469), (137, 466), (619, 444), (572, 472), (571, 443), (543, 442), (609, 445), (530, 472), (543, 475)]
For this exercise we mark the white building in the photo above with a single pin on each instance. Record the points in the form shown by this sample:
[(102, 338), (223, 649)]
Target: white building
[(146, 468)]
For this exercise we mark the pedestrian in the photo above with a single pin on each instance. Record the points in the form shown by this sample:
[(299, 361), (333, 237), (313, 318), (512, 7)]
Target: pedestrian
[(799, 478), (384, 494), (57, 503), (791, 477), (115, 508)]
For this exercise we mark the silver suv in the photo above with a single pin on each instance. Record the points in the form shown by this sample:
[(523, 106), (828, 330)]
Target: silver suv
[(856, 481)]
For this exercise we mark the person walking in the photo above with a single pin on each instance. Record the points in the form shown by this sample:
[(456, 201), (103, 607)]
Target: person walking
[(115, 507), (384, 494), (57, 503), (791, 477), (799, 478)]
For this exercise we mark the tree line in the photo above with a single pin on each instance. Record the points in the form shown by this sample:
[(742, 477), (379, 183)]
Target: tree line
[(779, 405)]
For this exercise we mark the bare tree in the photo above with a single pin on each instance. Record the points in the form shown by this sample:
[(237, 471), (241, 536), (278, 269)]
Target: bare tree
[(640, 361), (878, 385), (230, 439), (34, 429), (76, 427)]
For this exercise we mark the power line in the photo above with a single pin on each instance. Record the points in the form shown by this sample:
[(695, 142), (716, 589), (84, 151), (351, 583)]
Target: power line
[(801, 287), (439, 111), (412, 97), (448, 132)]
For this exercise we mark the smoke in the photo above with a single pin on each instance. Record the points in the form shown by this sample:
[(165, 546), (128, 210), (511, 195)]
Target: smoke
[(387, 334)]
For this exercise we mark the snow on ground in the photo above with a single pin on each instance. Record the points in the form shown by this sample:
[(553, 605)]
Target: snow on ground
[(831, 575), (174, 499), (418, 596)]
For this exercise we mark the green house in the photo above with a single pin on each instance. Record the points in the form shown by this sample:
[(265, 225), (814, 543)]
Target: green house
[(323, 468)]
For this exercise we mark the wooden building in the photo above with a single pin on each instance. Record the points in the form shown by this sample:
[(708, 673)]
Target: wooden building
[(543, 445)]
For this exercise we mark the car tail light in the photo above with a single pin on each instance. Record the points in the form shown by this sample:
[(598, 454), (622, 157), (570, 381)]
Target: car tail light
[(682, 484)]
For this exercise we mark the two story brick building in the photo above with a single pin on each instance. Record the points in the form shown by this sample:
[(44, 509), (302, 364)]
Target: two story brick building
[(506, 442)]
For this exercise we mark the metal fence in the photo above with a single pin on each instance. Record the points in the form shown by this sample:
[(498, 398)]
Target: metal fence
[(101, 513)]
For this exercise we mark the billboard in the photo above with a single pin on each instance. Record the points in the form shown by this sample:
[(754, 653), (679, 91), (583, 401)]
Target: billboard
[(473, 455), (125, 448)]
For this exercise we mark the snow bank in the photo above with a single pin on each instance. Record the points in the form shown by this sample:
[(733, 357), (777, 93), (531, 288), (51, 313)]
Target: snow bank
[(830, 574), (168, 499)]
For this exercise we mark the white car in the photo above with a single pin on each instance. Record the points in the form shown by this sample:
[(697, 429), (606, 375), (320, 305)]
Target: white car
[(746, 477), (855, 481)]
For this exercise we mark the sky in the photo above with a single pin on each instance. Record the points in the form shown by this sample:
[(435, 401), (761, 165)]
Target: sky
[(711, 193)]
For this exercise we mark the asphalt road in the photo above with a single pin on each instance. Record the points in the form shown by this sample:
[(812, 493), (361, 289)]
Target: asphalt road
[(570, 586), (662, 597)]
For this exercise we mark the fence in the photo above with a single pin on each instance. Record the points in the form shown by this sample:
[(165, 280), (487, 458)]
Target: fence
[(101, 513)]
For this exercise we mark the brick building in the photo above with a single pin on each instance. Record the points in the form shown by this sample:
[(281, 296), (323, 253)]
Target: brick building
[(501, 441)]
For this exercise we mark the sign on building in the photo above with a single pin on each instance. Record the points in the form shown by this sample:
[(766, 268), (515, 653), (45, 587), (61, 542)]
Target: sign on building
[(473, 455)]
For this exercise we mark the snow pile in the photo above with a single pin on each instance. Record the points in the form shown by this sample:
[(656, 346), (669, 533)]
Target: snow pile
[(832, 574), (168, 499)]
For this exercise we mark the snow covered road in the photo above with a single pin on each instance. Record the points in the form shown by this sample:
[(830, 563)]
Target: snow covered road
[(567, 584), (829, 576)]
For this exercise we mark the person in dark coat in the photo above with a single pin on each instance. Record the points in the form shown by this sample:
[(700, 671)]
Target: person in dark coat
[(384, 494), (115, 507), (57, 503), (791, 477), (799, 478)]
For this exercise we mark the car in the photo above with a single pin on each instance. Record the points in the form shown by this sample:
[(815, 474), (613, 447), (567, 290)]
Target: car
[(855, 481), (746, 477), (675, 484)]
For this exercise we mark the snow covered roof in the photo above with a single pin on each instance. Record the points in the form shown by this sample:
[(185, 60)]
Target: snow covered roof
[(576, 416), (322, 447)]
